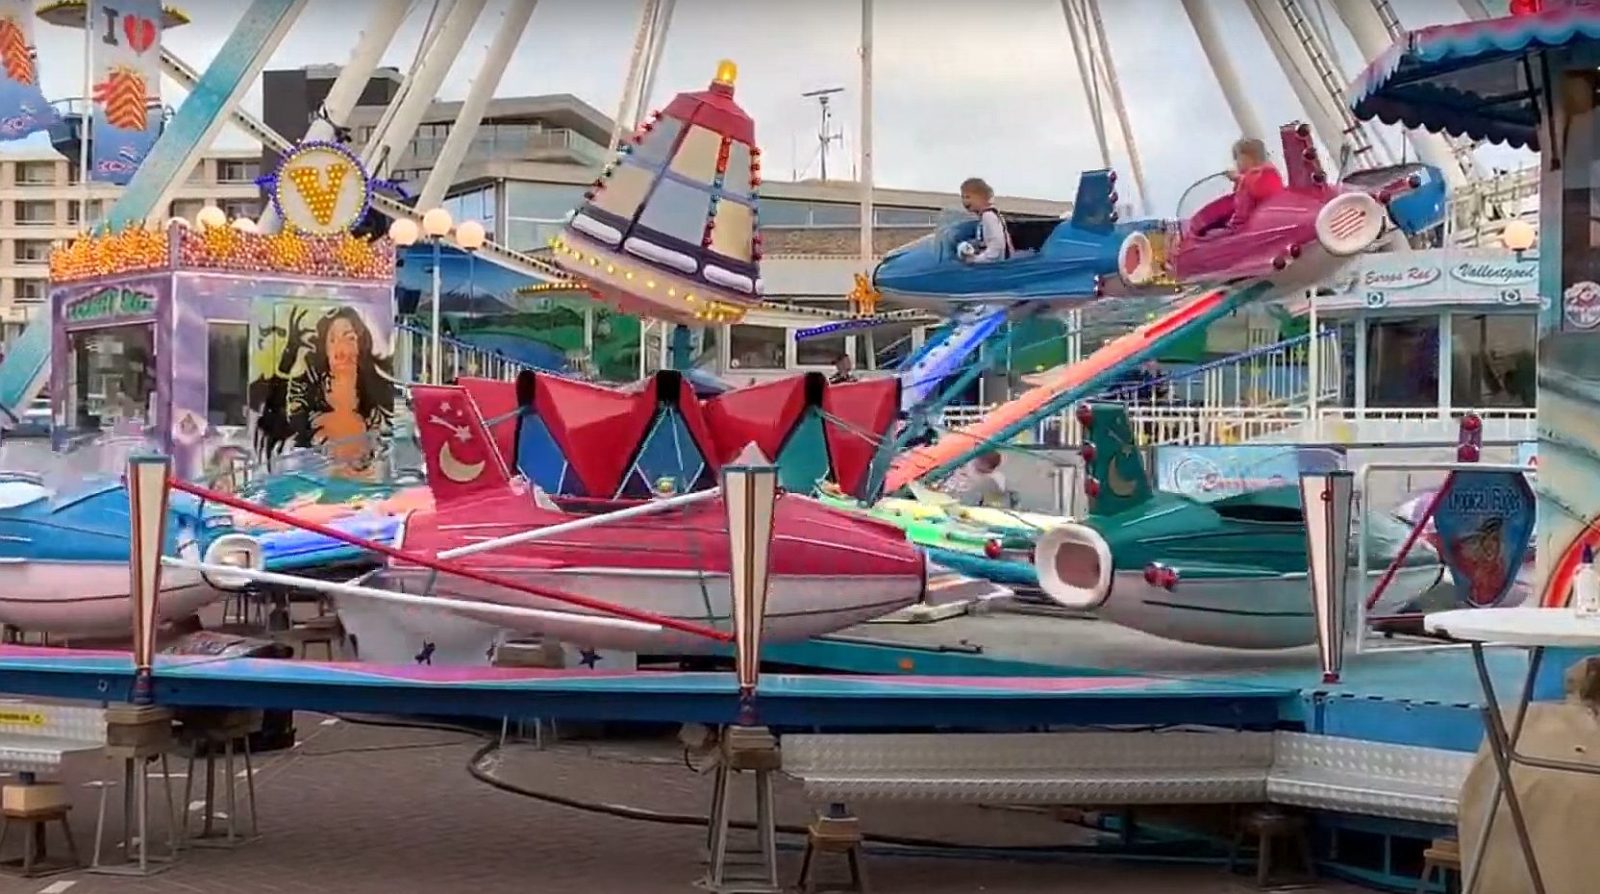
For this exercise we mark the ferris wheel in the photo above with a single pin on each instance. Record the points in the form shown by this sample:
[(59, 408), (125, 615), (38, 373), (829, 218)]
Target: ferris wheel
[(1299, 33)]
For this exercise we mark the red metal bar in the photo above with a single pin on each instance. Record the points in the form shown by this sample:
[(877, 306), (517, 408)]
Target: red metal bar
[(609, 608), (1411, 540)]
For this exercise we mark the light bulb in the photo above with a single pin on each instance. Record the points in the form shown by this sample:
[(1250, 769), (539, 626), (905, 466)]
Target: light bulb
[(437, 223)]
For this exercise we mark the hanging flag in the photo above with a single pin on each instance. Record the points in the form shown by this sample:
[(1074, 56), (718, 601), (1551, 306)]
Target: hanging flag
[(126, 41), (23, 108)]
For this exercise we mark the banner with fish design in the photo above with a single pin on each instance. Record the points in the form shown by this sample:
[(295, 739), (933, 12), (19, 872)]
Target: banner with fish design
[(126, 45), (1485, 523), (23, 108), (1210, 473)]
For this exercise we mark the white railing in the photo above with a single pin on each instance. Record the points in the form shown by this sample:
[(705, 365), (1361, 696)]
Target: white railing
[(1478, 212), (1197, 425), (1410, 425), (413, 359)]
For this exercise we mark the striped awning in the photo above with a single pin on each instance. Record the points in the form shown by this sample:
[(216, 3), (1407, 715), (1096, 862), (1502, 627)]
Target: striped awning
[(1476, 79)]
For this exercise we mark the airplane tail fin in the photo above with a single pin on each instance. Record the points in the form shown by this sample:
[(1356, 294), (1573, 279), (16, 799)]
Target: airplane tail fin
[(462, 457), (1115, 477), (1302, 168), (1095, 209)]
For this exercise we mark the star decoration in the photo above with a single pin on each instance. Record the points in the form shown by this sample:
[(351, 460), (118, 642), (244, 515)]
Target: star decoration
[(589, 658)]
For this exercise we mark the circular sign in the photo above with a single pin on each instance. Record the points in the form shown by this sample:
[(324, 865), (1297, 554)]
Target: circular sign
[(1581, 305), (321, 189)]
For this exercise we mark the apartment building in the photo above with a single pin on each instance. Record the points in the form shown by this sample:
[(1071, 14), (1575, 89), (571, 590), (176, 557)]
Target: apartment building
[(42, 203)]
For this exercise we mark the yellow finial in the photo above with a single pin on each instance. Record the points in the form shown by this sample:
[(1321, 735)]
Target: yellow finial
[(727, 72)]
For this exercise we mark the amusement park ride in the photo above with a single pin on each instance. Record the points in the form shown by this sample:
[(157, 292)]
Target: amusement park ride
[(649, 522)]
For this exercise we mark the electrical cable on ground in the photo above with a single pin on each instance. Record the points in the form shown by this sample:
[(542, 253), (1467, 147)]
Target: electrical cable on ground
[(897, 845)]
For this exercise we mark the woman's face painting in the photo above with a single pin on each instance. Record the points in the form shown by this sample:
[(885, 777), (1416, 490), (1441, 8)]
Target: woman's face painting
[(343, 348)]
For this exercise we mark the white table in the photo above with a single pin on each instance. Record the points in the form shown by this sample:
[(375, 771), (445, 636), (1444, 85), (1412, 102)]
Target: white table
[(1534, 629)]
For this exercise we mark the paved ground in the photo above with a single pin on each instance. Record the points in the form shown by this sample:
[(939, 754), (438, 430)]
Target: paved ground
[(365, 810)]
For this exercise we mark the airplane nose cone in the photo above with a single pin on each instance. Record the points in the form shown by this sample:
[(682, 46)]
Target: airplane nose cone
[(1074, 566)]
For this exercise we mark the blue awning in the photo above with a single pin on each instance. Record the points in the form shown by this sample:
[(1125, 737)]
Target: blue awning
[(1477, 79)]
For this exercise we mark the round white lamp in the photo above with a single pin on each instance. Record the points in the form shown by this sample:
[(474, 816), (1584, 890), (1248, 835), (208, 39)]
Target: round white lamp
[(245, 225), (404, 232), (437, 223), (470, 235), (177, 222), (1519, 235), (211, 216)]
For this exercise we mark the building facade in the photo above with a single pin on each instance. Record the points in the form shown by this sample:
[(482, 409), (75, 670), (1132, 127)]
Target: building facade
[(42, 203)]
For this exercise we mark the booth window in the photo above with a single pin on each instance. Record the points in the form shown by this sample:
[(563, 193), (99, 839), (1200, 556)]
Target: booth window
[(1403, 362), (820, 351), (757, 347), (227, 373), (113, 376), (1492, 360)]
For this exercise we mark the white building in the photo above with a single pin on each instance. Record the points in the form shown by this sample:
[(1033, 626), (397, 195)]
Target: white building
[(41, 203)]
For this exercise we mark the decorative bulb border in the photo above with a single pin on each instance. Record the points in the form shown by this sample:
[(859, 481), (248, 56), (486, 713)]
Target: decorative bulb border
[(708, 310), (273, 183)]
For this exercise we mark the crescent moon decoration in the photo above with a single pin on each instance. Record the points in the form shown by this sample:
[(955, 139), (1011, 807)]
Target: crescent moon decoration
[(456, 470), (1120, 485)]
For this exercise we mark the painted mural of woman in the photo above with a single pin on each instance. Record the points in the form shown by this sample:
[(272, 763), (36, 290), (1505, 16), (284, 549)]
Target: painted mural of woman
[(331, 389)]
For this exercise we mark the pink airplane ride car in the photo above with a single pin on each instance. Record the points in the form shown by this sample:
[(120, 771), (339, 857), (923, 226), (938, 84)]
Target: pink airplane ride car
[(1297, 235)]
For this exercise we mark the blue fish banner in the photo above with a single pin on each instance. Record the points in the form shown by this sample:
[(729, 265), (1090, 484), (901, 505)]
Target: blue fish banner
[(126, 46), (23, 108), (1484, 521), (1212, 473)]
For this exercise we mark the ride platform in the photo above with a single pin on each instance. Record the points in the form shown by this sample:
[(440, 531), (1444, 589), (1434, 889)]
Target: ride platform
[(992, 703), (1402, 696)]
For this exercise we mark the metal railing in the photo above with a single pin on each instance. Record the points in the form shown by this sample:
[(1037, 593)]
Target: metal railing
[(413, 359), (1223, 425), (1478, 212)]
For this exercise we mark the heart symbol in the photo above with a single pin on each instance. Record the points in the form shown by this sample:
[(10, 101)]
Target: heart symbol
[(141, 33)]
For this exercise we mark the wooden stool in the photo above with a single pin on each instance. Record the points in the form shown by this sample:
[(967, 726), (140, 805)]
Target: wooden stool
[(835, 833), (323, 630), (1444, 858), (35, 819), (1272, 829)]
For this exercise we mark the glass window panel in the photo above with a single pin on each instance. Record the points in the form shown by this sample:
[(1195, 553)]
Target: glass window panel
[(731, 236), (696, 157), (625, 192), (1492, 360), (227, 373), (658, 143), (782, 213), (677, 210), (112, 377), (736, 180), (757, 347), (1403, 362), (543, 201), (904, 217), (828, 215), (822, 351)]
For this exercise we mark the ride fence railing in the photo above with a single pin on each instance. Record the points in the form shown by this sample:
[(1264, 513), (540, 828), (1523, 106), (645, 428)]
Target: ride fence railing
[(413, 358), (1478, 212), (1262, 381)]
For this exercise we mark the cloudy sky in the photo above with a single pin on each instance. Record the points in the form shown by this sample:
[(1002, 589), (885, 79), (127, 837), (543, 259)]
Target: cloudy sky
[(975, 87)]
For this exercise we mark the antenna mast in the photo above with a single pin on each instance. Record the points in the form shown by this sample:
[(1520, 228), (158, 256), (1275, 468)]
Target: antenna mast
[(826, 136)]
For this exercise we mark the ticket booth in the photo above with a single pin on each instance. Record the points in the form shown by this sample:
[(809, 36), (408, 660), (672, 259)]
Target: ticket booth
[(188, 336)]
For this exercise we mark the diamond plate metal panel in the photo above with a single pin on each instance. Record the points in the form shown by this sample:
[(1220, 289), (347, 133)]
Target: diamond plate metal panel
[(1170, 767), (1368, 778), (1063, 787), (1134, 768), (33, 737), (865, 753)]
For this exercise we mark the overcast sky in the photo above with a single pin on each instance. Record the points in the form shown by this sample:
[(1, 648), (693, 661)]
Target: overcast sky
[(976, 87)]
